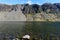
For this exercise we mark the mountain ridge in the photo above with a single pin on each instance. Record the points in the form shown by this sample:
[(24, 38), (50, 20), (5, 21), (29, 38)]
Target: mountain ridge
[(34, 12)]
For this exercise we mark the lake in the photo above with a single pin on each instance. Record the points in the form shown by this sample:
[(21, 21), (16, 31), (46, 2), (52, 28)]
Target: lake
[(33, 28)]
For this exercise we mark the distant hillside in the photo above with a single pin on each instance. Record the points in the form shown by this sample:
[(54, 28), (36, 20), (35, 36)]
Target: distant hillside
[(46, 7), (34, 8), (5, 7), (11, 13), (26, 12), (45, 12)]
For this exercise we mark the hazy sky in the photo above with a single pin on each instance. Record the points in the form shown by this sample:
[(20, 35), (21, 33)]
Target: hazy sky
[(28, 1)]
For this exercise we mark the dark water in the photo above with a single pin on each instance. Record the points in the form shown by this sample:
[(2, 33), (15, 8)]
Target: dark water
[(30, 27)]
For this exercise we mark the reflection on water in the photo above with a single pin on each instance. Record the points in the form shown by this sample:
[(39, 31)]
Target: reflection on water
[(26, 27), (34, 28), (11, 26)]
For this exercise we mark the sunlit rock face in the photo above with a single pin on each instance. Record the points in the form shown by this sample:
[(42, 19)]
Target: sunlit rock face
[(12, 16)]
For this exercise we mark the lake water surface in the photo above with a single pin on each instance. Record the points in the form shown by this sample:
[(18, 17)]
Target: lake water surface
[(14, 27)]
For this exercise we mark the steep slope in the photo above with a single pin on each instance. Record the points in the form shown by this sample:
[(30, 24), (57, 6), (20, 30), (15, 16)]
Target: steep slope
[(12, 16)]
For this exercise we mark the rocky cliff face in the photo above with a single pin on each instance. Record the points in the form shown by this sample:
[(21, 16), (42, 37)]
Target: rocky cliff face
[(34, 8), (45, 12), (12, 16), (26, 12), (11, 13)]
